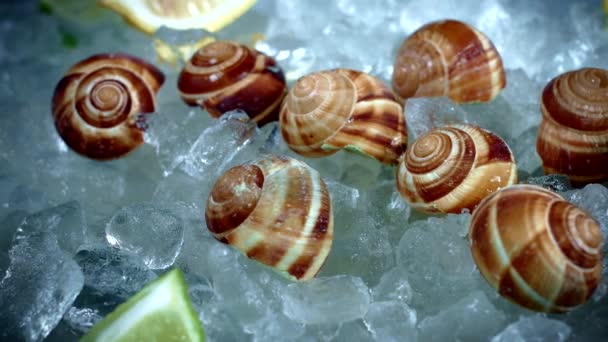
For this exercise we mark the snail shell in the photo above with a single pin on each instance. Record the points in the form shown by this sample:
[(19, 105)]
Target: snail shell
[(343, 109), (573, 135), (452, 168), (536, 249), (224, 76), (97, 104), (275, 210), (448, 58)]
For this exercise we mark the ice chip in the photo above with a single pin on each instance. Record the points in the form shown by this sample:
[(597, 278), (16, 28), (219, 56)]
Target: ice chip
[(81, 319), (41, 282), (326, 300), (393, 286), (435, 257), (154, 234), (556, 183), (219, 144), (473, 318), (426, 113), (112, 272), (534, 329), (391, 321)]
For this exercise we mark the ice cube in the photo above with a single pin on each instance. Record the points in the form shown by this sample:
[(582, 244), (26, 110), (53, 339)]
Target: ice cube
[(41, 282), (353, 331), (218, 144), (112, 272), (173, 129), (329, 300), (435, 257), (81, 319), (526, 157), (426, 113), (391, 321), (393, 286), (535, 329), (154, 234), (361, 246), (473, 318)]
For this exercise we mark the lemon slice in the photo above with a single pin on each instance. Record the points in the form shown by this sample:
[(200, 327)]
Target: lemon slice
[(149, 15), (161, 311), (174, 54)]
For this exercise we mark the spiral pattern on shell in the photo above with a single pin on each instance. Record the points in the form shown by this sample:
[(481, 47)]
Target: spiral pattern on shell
[(448, 58), (276, 210), (453, 168), (536, 249), (343, 109), (224, 76), (573, 135), (97, 104)]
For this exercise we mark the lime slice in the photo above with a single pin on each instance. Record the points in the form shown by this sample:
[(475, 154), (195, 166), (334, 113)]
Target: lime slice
[(149, 15), (161, 311)]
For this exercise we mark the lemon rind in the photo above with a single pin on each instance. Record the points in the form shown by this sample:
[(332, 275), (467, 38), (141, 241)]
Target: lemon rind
[(142, 17)]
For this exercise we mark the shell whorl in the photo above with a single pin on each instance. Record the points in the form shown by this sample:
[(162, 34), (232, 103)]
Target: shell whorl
[(452, 168), (96, 105), (536, 249), (343, 109), (573, 135), (224, 76), (276, 210), (448, 58)]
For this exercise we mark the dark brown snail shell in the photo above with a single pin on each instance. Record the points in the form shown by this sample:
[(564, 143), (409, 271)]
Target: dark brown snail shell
[(97, 105), (224, 76)]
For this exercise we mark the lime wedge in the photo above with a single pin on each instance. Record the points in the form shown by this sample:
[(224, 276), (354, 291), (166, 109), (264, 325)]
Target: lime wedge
[(161, 311)]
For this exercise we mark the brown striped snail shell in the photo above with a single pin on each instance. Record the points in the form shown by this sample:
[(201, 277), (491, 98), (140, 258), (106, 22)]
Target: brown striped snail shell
[(97, 104), (223, 76), (573, 135), (454, 167), (536, 249), (448, 58), (275, 210), (343, 109)]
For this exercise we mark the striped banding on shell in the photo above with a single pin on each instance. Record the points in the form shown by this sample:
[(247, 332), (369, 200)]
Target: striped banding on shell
[(97, 104), (343, 109), (573, 135), (275, 210), (448, 58), (223, 76), (536, 249), (452, 168)]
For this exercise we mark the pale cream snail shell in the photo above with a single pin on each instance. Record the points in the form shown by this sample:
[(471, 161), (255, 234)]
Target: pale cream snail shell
[(573, 135), (536, 249), (452, 168), (97, 105), (448, 58), (223, 76), (276, 210), (343, 109)]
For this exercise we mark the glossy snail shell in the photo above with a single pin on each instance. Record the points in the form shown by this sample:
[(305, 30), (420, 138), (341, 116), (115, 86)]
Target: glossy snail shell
[(224, 76), (275, 210), (452, 168), (97, 104), (343, 109), (448, 58), (573, 135), (536, 249)]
